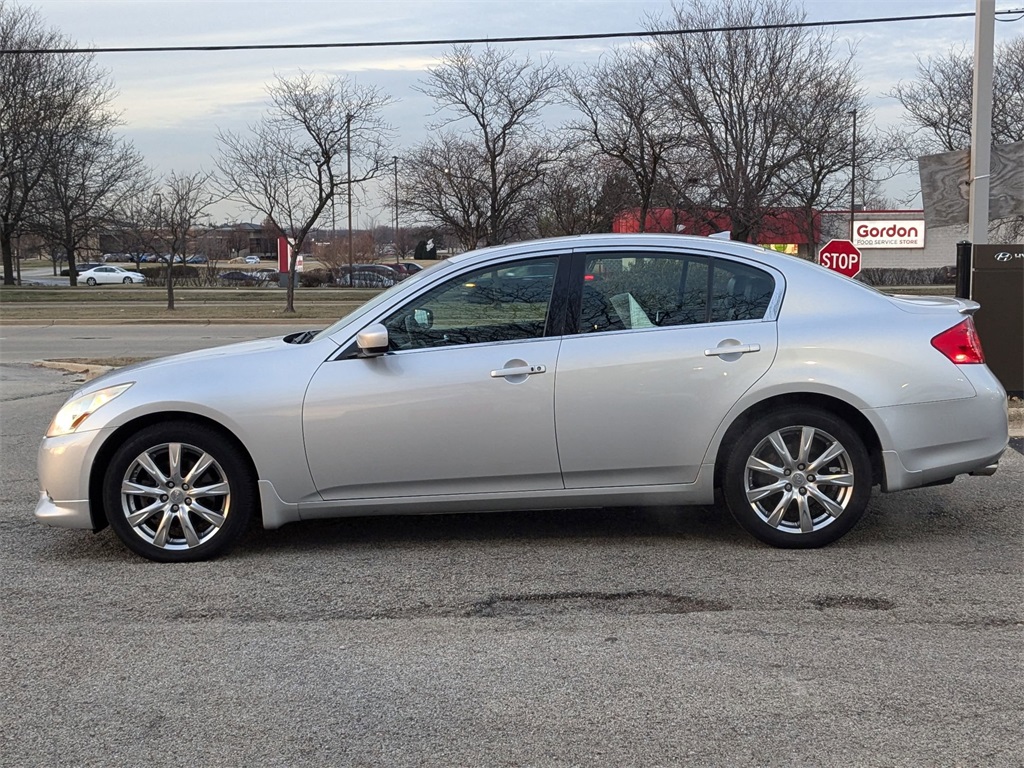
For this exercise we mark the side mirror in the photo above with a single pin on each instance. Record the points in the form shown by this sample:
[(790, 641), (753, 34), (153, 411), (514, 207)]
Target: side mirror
[(372, 341)]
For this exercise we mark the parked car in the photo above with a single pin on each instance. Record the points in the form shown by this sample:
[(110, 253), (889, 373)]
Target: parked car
[(251, 259), (367, 276), (197, 258), (106, 274), (692, 366), (80, 268), (404, 268), (238, 278)]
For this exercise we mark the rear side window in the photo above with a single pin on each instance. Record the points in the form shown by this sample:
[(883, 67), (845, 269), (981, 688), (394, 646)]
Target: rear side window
[(739, 292), (645, 290)]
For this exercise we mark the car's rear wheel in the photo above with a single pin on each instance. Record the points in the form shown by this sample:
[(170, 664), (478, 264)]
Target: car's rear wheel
[(90, 281), (178, 492), (798, 478)]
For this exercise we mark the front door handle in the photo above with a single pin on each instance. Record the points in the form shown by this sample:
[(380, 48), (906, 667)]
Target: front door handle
[(732, 349), (519, 370)]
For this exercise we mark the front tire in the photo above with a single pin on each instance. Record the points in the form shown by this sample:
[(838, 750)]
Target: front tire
[(127, 280), (178, 492), (799, 478)]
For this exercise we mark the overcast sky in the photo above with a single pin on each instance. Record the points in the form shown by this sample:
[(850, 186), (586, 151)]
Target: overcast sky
[(173, 103)]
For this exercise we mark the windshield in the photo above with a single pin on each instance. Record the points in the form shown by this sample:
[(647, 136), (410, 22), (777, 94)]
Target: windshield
[(380, 298)]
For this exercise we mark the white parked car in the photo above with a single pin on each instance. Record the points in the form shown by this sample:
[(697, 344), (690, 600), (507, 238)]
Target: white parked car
[(109, 274), (604, 370), (252, 259)]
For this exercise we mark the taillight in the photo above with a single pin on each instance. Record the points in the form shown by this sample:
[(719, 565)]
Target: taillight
[(960, 343)]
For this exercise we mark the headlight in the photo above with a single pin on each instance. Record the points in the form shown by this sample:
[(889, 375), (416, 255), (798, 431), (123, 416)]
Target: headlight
[(70, 417)]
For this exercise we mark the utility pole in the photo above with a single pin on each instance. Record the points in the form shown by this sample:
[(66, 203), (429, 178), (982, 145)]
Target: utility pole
[(853, 169), (981, 122), (398, 253), (348, 180)]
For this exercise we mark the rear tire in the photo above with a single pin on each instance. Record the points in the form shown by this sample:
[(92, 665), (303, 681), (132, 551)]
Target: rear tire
[(90, 281), (798, 478), (179, 492)]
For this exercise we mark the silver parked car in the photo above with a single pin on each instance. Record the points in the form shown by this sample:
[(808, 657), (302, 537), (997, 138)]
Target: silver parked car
[(605, 370)]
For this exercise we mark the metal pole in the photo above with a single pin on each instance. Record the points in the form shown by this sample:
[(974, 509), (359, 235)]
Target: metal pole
[(348, 154), (981, 122), (963, 269), (398, 254), (853, 170)]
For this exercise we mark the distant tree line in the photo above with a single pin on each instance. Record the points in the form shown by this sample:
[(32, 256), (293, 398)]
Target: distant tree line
[(738, 122)]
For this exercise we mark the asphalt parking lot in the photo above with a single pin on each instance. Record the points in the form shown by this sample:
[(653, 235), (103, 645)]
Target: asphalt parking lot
[(596, 637)]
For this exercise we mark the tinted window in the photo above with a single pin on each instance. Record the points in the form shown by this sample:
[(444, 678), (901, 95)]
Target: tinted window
[(489, 305), (644, 290), (739, 292)]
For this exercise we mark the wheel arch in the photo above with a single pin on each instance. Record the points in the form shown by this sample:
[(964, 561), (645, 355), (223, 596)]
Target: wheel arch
[(119, 435), (833, 405)]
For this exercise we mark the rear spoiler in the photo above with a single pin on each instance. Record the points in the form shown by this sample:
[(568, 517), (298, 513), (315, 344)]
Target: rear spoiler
[(967, 306)]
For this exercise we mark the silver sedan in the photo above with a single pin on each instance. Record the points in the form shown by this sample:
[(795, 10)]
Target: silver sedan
[(605, 370)]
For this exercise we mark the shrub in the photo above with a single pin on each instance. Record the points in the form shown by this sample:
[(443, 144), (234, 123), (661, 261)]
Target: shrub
[(888, 276), (315, 278)]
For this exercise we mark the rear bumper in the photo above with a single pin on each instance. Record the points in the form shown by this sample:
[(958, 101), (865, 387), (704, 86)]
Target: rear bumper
[(925, 443)]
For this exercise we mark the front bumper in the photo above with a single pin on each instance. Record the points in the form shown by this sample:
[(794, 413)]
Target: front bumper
[(64, 464), (64, 514)]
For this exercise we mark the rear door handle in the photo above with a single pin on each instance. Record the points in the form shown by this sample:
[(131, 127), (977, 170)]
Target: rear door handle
[(520, 370), (733, 349)]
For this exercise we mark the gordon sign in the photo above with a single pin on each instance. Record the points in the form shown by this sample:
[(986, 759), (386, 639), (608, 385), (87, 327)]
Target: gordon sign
[(889, 234)]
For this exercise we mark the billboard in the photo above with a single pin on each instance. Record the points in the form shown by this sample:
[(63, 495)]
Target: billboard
[(891, 233)]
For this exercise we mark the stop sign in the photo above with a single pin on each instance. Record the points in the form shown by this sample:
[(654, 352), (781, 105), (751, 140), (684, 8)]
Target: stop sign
[(840, 256)]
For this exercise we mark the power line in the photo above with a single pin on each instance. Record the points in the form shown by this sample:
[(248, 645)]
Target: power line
[(480, 40)]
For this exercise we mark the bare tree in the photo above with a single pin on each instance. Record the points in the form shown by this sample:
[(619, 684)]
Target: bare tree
[(627, 115), (321, 135), (736, 91), (180, 207), (86, 182), (582, 193), (938, 101), (479, 182), (45, 101)]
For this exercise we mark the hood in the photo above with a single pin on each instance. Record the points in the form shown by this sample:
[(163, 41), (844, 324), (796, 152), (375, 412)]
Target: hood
[(220, 356)]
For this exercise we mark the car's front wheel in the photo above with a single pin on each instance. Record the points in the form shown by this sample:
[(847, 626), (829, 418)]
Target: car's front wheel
[(798, 478), (178, 492), (126, 280)]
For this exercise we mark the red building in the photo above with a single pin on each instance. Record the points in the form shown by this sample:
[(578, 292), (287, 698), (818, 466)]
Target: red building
[(779, 226)]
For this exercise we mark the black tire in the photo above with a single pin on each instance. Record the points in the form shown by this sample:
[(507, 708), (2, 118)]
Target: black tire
[(184, 523), (90, 281), (126, 280), (774, 490)]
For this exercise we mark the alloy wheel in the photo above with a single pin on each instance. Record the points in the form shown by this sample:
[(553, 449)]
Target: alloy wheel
[(175, 496), (799, 479)]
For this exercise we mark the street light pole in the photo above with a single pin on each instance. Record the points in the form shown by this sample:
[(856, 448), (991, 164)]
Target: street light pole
[(348, 181), (853, 169), (394, 158)]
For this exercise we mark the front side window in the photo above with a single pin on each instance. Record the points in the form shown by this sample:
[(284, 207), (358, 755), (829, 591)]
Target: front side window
[(504, 303), (645, 290)]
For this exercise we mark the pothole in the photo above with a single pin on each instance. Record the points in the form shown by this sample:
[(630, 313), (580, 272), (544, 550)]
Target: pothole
[(854, 602), (621, 603)]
